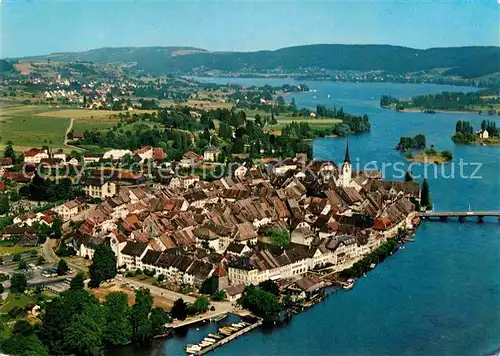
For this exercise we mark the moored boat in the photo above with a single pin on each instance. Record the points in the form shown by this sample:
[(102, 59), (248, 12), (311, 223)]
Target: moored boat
[(219, 318), (349, 284), (192, 349)]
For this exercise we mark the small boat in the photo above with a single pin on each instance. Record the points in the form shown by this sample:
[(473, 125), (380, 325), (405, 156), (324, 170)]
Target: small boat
[(373, 265), (328, 95), (219, 318), (208, 339), (192, 349), (349, 285), (213, 336), (225, 331)]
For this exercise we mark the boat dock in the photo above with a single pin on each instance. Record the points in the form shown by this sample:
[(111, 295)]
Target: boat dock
[(226, 334)]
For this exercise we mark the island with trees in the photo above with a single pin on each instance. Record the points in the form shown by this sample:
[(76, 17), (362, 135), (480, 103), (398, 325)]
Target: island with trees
[(488, 134), (485, 101), (416, 150)]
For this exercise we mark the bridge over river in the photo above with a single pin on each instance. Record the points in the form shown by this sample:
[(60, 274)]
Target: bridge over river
[(461, 215)]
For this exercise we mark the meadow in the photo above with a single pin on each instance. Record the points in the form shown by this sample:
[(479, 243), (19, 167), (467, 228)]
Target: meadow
[(29, 126), (283, 120)]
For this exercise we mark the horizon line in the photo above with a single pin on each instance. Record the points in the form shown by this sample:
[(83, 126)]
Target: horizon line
[(250, 51)]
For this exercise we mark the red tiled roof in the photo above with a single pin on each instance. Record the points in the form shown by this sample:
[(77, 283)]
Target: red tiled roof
[(381, 224), (33, 152), (158, 154)]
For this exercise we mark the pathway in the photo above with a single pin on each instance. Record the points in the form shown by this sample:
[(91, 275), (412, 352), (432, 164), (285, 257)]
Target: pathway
[(70, 127)]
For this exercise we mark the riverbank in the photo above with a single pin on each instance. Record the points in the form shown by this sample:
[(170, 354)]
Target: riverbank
[(495, 141), (432, 111)]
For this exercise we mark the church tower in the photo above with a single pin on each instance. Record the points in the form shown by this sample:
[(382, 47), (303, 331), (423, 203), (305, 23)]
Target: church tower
[(345, 175)]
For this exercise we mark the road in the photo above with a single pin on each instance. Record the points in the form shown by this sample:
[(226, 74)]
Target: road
[(48, 251), (67, 132), (220, 307), (51, 257)]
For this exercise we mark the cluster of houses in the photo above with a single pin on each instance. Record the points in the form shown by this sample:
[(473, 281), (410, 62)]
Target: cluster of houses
[(190, 229)]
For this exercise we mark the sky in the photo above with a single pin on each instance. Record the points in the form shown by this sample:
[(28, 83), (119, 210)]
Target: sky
[(35, 27)]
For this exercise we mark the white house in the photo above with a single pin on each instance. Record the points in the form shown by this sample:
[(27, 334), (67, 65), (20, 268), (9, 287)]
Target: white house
[(483, 133), (35, 155), (183, 182), (98, 189), (92, 157), (116, 154), (211, 153), (68, 210)]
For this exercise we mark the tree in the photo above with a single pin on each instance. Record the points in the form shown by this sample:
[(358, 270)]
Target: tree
[(4, 204), (62, 267), (16, 257), (18, 283), (139, 318), (279, 236), (9, 152), (408, 177), (219, 296), (447, 155), (22, 265), (179, 310), (425, 197), (259, 302), (117, 327), (78, 282), (22, 327), (210, 285), (158, 319), (199, 306), (57, 228), (66, 330), (103, 266), (23, 344), (83, 336), (161, 278), (269, 286)]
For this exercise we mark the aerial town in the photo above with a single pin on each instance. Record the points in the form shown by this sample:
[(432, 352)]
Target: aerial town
[(186, 228)]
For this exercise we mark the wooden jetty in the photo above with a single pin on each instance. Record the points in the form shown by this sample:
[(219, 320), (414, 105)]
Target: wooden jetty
[(224, 340)]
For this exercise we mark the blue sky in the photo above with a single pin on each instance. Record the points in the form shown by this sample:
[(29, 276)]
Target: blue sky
[(31, 27)]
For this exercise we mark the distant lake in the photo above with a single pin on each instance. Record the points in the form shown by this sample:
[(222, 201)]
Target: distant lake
[(440, 295)]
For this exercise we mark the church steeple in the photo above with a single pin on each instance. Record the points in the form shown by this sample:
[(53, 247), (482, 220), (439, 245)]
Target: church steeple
[(347, 158), (345, 175)]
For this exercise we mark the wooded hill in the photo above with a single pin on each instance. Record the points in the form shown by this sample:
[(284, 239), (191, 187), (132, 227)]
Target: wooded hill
[(467, 62)]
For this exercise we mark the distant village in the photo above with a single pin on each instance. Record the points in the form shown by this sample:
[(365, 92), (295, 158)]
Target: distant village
[(189, 229)]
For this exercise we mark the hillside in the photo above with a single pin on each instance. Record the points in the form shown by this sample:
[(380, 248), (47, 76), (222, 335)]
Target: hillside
[(467, 62)]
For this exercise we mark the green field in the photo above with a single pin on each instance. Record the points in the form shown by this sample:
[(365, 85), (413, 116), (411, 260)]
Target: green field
[(93, 124), (29, 126), (15, 300), (27, 131), (312, 122), (9, 250)]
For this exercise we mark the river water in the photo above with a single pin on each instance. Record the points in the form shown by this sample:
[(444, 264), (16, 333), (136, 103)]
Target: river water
[(441, 294)]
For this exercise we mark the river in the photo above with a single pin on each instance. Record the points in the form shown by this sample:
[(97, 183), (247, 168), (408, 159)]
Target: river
[(441, 294)]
